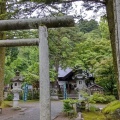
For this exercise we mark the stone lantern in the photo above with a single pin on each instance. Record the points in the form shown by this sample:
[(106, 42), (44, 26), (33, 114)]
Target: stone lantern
[(81, 85), (16, 83)]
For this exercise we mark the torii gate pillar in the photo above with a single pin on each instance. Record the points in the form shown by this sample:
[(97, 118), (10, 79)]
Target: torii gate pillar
[(54, 22), (45, 104)]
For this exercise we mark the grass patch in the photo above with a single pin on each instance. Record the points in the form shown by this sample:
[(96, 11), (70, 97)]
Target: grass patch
[(93, 116), (6, 104)]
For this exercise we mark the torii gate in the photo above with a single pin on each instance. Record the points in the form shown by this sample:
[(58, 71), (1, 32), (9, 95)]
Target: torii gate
[(66, 21)]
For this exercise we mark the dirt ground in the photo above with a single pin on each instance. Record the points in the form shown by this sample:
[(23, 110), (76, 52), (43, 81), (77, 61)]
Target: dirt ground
[(61, 118)]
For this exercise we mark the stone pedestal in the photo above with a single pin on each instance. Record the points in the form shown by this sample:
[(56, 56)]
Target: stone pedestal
[(16, 92), (15, 103), (54, 95), (81, 96), (5, 95)]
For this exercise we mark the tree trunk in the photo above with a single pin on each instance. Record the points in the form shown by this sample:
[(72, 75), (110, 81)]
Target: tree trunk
[(117, 37), (2, 63), (113, 28), (2, 52)]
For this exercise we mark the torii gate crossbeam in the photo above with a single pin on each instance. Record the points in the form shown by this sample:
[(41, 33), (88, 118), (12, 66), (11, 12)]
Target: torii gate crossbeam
[(49, 22), (19, 42)]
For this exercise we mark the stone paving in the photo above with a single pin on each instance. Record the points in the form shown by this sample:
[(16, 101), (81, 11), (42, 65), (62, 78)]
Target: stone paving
[(30, 111)]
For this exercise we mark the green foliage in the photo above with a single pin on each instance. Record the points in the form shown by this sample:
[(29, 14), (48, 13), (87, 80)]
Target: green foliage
[(105, 76), (87, 26), (90, 52), (61, 43), (9, 97), (103, 27), (92, 108), (101, 98), (11, 53), (109, 98), (87, 97), (93, 35), (32, 95), (111, 107), (36, 95), (29, 96), (95, 55), (68, 48), (98, 98), (26, 62), (68, 107), (52, 74), (9, 73)]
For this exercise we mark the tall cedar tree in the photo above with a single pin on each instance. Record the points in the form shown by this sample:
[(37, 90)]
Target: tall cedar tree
[(2, 50)]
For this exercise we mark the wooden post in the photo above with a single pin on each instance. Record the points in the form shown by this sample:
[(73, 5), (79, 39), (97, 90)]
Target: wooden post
[(45, 106)]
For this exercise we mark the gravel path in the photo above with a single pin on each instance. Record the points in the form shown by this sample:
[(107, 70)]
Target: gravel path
[(30, 111)]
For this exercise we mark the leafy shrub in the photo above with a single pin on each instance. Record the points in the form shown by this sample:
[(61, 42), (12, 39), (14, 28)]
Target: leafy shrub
[(98, 98), (112, 111), (36, 95), (68, 107), (101, 98), (111, 107), (110, 98), (9, 97), (92, 108), (29, 96)]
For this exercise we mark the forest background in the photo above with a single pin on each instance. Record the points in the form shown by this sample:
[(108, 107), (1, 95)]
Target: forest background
[(86, 45)]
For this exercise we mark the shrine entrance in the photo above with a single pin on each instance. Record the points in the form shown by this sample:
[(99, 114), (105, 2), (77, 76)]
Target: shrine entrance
[(42, 42)]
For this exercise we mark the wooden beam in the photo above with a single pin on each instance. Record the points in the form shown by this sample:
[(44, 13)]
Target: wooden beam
[(19, 42), (45, 104), (49, 22)]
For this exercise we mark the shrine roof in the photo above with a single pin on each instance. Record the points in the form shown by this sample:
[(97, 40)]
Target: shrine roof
[(63, 72), (95, 85), (17, 79)]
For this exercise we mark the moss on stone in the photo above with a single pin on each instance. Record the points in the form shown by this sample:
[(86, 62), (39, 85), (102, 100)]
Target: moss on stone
[(93, 116)]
